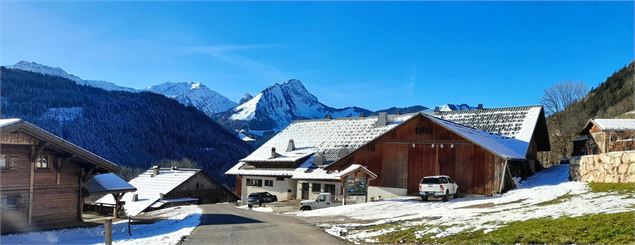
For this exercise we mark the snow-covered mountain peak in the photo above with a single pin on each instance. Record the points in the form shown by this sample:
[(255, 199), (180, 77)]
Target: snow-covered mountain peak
[(59, 72), (46, 70), (195, 94), (246, 97), (196, 85), (280, 104)]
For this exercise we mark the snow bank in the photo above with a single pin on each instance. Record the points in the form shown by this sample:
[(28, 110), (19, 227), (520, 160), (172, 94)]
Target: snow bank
[(179, 222), (486, 213)]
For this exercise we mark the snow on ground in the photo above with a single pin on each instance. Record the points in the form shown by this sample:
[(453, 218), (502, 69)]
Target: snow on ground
[(178, 222), (257, 209), (476, 213)]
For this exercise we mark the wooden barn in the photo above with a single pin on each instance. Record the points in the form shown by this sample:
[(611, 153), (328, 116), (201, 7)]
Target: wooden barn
[(163, 187), (42, 178), (484, 150), (605, 135)]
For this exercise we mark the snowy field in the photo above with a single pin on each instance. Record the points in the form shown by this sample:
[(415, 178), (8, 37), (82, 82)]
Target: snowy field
[(545, 194), (179, 222)]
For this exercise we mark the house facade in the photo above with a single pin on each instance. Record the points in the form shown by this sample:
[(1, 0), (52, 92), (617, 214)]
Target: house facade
[(484, 150), (605, 135), (163, 187), (42, 177)]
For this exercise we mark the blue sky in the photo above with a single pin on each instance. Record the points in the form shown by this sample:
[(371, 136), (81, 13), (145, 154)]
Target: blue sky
[(374, 55)]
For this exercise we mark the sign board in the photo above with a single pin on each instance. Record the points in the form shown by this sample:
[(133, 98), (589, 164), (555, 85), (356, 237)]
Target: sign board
[(356, 186)]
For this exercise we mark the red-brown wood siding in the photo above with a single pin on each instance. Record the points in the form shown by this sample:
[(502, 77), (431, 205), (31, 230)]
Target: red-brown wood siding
[(410, 146)]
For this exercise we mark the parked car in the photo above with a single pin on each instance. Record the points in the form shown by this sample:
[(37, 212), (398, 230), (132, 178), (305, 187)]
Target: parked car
[(260, 198), (322, 201), (437, 186)]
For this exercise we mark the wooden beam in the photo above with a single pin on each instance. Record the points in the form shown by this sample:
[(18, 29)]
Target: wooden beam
[(38, 150), (31, 176)]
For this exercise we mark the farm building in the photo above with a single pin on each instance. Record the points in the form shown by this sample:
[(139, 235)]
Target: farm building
[(164, 187), (605, 135), (42, 178), (482, 149)]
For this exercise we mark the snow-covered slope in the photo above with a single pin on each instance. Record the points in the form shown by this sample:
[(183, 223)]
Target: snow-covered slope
[(59, 72), (196, 94), (277, 106)]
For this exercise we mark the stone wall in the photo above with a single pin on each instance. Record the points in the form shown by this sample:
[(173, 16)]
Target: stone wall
[(612, 167)]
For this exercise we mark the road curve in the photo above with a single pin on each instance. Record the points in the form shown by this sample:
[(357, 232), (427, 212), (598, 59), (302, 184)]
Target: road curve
[(226, 224)]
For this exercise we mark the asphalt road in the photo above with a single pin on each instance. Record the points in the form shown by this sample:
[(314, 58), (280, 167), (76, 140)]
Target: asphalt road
[(226, 224)]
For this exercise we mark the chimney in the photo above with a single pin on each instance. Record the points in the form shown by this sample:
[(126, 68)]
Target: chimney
[(290, 146), (437, 109), (273, 153), (161, 196), (479, 107), (361, 114), (155, 170), (382, 120), (328, 116), (135, 197)]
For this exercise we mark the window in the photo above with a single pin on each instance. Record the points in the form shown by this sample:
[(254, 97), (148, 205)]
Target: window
[(268, 182), (254, 182), (11, 201), (6, 162), (280, 178), (330, 189), (450, 180), (321, 198), (42, 162), (316, 187)]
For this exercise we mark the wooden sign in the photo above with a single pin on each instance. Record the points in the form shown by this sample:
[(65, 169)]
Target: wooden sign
[(17, 138)]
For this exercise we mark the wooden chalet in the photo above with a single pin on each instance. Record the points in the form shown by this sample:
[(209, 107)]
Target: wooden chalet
[(484, 150), (163, 187), (605, 135), (42, 178)]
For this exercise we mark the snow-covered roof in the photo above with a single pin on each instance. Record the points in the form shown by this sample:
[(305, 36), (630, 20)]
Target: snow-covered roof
[(107, 183), (9, 121), (150, 187), (514, 122), (503, 146), (614, 124), (160, 203), (324, 136), (357, 167), (240, 169)]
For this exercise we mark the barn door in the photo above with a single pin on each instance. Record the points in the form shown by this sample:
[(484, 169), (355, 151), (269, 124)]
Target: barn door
[(395, 165), (421, 163)]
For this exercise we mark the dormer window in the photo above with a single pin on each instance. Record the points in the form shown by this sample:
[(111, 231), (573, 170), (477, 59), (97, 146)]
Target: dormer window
[(42, 162)]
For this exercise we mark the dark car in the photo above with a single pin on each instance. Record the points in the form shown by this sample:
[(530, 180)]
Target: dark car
[(260, 198)]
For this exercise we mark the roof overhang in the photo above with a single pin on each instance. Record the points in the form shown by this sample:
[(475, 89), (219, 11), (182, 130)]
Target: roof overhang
[(107, 184), (57, 142)]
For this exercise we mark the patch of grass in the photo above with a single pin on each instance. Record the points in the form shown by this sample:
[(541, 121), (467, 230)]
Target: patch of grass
[(560, 199), (590, 229), (383, 226), (612, 187)]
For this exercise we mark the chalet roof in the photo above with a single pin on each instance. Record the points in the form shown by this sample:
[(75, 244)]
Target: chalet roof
[(150, 187), (612, 124), (506, 132), (506, 147), (16, 124), (106, 184), (330, 137), (515, 122)]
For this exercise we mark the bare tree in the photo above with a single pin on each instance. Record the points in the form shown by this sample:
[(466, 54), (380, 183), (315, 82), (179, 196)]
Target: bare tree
[(556, 99), (561, 95)]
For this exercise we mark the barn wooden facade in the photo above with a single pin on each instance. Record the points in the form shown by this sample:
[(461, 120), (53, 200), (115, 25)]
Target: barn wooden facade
[(605, 135), (41, 178), (421, 147), (484, 150)]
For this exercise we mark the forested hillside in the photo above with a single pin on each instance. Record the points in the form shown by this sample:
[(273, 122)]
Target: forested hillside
[(611, 99), (134, 130)]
